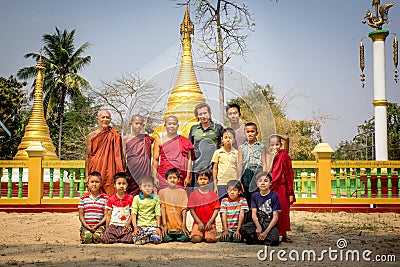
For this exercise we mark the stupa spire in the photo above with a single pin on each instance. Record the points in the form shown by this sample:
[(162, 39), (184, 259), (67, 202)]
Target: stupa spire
[(37, 129), (186, 93)]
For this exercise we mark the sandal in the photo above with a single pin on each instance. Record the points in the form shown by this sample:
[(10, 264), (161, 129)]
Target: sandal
[(286, 239)]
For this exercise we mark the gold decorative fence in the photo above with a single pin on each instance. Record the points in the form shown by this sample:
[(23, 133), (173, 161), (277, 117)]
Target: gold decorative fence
[(35, 181), (323, 181)]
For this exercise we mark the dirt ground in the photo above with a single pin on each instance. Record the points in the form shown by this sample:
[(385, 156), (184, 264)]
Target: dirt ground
[(52, 239)]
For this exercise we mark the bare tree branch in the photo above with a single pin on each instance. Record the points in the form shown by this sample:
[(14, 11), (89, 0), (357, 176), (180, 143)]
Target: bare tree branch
[(127, 96)]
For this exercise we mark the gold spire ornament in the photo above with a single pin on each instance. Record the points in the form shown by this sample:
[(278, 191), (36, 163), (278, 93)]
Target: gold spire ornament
[(186, 93), (379, 19), (37, 129), (362, 64)]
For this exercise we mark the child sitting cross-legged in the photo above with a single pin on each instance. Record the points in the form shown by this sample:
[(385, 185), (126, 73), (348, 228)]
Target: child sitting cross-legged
[(91, 210), (146, 215), (264, 212), (204, 206), (173, 209), (118, 221), (232, 212)]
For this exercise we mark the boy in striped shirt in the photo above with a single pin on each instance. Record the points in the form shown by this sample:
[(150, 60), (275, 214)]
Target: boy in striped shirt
[(232, 212), (91, 210)]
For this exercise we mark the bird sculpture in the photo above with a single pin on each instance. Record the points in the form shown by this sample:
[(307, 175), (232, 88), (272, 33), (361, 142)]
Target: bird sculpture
[(381, 15)]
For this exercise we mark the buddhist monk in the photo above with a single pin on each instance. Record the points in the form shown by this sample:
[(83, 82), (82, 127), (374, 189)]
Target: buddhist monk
[(104, 152), (137, 151), (172, 151)]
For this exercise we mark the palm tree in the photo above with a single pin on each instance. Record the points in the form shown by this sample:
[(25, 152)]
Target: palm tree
[(62, 81)]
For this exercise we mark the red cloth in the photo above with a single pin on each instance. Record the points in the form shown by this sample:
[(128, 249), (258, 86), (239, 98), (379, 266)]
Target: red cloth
[(172, 157), (204, 205), (106, 157), (138, 155), (282, 185)]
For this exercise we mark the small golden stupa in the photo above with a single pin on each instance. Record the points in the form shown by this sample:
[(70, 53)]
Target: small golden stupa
[(186, 94), (37, 129)]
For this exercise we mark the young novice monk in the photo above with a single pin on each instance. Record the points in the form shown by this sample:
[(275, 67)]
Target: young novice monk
[(225, 163), (118, 223), (204, 206), (282, 182), (264, 212), (173, 209), (91, 210), (146, 215), (137, 150), (232, 212)]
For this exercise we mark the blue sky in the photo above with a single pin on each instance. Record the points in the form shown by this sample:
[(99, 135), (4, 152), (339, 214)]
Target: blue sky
[(304, 49)]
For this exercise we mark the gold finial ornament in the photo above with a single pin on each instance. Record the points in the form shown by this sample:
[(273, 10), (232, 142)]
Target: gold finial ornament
[(186, 93), (37, 129), (381, 15), (396, 58), (362, 64)]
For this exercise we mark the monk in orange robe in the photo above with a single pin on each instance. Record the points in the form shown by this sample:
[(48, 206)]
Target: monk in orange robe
[(104, 152), (137, 151)]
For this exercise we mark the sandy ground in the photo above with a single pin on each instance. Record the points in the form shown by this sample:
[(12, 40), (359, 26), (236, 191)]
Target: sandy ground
[(52, 239)]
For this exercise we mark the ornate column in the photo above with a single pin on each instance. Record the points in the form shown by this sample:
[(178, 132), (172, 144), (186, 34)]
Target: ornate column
[(378, 38)]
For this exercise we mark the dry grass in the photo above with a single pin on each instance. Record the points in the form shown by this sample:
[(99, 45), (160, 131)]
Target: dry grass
[(51, 239)]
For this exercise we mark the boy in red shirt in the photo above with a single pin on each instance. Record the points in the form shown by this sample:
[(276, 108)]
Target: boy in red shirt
[(118, 221), (204, 207)]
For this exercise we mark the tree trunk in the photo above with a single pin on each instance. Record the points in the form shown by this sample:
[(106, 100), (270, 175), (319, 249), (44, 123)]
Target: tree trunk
[(220, 64), (62, 105)]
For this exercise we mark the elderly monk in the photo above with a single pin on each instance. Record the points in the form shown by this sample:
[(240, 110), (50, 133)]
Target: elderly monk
[(104, 152), (137, 151)]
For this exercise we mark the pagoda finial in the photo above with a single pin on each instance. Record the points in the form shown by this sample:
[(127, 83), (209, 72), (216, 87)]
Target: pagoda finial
[(37, 129), (39, 65), (187, 27), (186, 93)]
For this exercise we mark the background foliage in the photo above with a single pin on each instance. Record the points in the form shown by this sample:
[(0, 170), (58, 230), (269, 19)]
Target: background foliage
[(361, 147), (14, 115), (304, 134)]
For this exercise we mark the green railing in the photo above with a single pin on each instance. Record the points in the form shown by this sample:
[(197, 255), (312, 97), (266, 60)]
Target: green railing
[(305, 183), (66, 178), (58, 183), (366, 179), (37, 181)]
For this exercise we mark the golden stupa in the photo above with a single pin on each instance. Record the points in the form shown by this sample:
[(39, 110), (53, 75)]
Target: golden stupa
[(186, 94), (37, 129)]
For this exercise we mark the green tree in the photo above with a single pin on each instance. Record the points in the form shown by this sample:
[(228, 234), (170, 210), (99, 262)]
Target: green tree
[(80, 120), (361, 147), (13, 114), (62, 81), (304, 134)]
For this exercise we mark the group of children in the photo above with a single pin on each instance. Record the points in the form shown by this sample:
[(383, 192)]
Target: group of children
[(264, 179)]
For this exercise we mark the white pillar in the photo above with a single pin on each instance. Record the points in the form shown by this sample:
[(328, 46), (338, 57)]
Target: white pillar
[(378, 37)]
